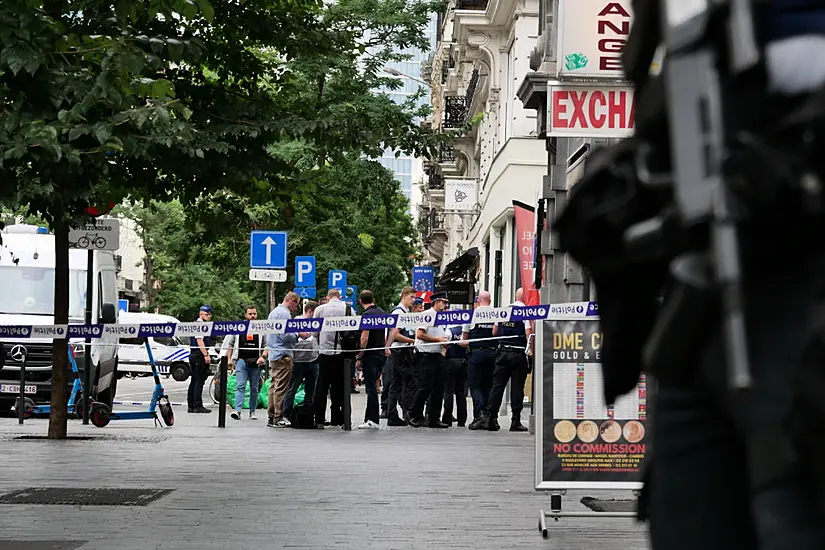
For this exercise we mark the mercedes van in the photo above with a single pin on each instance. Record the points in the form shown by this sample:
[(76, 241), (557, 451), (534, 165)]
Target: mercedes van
[(27, 298), (171, 354)]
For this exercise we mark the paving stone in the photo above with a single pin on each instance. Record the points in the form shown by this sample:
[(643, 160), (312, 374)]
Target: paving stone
[(254, 487)]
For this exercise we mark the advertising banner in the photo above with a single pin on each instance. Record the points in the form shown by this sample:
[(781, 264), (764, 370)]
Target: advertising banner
[(580, 441), (525, 216), (591, 111), (591, 37)]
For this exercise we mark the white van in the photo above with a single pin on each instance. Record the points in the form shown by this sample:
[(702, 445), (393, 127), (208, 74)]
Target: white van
[(171, 354), (27, 298)]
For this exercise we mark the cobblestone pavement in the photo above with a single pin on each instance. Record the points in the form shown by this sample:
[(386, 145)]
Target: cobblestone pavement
[(247, 486)]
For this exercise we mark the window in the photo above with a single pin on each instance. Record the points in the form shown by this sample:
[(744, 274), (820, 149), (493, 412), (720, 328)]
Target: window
[(166, 341), (133, 341)]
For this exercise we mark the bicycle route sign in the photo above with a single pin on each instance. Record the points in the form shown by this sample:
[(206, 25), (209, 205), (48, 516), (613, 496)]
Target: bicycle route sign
[(103, 234)]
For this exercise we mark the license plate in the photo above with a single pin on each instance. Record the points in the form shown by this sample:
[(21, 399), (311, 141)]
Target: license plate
[(15, 388)]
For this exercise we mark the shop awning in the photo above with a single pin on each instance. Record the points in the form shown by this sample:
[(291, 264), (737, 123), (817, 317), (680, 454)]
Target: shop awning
[(458, 270)]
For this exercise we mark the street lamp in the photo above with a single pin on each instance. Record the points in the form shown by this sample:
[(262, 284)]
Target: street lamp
[(396, 72)]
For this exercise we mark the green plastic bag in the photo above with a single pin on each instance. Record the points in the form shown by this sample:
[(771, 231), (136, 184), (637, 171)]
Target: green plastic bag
[(231, 387), (299, 395), (263, 395)]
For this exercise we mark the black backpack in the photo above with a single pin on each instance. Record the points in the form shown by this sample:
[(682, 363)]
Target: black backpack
[(350, 340)]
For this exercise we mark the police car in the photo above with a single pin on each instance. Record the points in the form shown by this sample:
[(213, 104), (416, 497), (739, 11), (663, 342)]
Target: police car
[(171, 353)]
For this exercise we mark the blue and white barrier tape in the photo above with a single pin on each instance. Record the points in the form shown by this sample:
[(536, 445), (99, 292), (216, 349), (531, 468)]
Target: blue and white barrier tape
[(427, 318)]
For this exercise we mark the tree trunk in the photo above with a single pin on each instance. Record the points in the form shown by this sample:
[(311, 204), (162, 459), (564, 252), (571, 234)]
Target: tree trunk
[(60, 358)]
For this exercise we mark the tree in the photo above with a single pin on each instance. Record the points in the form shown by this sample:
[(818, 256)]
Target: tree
[(356, 219), (103, 100)]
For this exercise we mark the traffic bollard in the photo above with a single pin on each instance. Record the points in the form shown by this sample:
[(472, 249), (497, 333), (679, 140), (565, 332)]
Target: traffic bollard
[(223, 373), (347, 370)]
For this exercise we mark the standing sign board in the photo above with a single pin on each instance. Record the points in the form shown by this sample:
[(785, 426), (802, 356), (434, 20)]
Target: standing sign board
[(101, 234), (591, 37), (581, 443), (606, 111)]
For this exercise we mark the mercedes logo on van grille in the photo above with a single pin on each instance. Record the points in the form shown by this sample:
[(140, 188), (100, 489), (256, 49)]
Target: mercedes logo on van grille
[(18, 352)]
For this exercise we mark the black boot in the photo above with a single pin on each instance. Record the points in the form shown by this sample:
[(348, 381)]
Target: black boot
[(479, 422), (516, 425), (492, 423)]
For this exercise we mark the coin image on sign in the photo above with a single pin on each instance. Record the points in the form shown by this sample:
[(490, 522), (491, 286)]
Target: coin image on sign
[(611, 431), (565, 431), (588, 431), (634, 431)]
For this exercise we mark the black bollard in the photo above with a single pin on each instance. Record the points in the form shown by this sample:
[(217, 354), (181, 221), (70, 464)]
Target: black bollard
[(347, 373), (224, 374), (21, 403)]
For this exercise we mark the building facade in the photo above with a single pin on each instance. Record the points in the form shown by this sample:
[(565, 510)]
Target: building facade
[(542, 82), (482, 55)]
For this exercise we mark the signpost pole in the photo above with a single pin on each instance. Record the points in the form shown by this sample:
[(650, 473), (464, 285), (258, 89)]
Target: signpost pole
[(87, 368)]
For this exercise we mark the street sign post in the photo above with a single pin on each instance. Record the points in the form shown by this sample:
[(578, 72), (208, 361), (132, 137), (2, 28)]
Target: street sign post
[(102, 234), (305, 271), (351, 295), (267, 250), (338, 279), (271, 275), (306, 292)]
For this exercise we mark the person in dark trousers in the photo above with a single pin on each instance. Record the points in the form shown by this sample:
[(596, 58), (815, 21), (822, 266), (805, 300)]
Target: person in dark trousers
[(511, 365), (481, 362), (455, 383), (371, 359), (400, 352), (304, 367), (331, 372), (248, 353), (199, 362), (430, 341)]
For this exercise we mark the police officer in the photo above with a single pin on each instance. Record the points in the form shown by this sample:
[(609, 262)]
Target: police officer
[(481, 362), (399, 385), (199, 362), (455, 382), (430, 366), (511, 364)]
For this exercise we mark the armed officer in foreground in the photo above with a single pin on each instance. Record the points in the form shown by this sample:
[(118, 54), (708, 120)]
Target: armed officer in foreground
[(704, 236)]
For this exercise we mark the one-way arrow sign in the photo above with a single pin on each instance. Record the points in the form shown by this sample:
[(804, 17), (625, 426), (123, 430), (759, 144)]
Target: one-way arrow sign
[(267, 250)]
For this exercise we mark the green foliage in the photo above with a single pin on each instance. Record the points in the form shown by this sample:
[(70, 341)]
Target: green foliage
[(354, 218)]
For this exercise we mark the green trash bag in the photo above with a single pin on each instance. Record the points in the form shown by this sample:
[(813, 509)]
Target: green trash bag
[(300, 395), (263, 393), (231, 386)]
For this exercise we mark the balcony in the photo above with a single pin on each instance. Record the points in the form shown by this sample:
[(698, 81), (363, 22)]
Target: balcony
[(455, 111), (471, 4)]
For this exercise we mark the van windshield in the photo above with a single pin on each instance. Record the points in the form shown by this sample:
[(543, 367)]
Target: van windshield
[(30, 291)]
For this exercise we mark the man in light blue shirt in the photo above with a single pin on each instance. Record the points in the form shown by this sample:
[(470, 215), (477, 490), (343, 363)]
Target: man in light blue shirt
[(280, 348)]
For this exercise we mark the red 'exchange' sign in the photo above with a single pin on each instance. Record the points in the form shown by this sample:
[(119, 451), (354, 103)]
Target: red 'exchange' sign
[(590, 111)]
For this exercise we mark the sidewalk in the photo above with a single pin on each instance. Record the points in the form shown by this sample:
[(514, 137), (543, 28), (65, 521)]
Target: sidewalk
[(247, 486)]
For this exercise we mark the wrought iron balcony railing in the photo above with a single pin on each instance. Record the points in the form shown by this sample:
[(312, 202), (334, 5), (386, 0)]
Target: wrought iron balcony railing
[(435, 180), (455, 111), (471, 88), (447, 154)]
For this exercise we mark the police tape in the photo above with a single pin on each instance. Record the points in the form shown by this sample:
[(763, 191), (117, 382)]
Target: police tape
[(424, 319)]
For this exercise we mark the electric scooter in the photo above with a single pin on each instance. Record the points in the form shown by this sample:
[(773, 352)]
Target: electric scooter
[(100, 414), (74, 405)]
